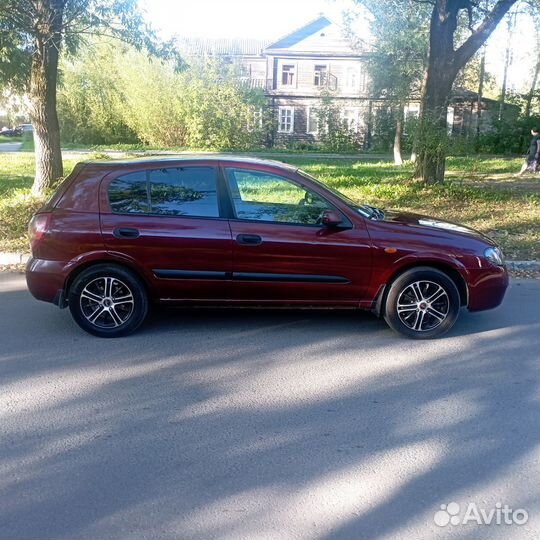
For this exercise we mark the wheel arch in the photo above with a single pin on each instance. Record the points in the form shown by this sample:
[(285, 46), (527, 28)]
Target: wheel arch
[(445, 268), (109, 261)]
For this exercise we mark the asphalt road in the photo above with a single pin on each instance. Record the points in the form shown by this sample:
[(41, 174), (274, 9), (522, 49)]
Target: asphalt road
[(219, 424), (10, 147)]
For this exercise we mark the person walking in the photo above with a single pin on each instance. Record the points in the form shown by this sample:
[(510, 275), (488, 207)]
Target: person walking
[(532, 161)]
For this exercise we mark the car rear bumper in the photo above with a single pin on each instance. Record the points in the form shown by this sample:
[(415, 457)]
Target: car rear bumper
[(45, 279), (487, 288)]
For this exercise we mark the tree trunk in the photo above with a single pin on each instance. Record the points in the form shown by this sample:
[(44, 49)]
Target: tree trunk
[(43, 82), (507, 62), (441, 72), (530, 95), (481, 77), (416, 142), (443, 66), (398, 158)]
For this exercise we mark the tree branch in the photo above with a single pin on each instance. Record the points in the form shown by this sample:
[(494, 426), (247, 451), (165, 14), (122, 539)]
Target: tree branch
[(482, 33)]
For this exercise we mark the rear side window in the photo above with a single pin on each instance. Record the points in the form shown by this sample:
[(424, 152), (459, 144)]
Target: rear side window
[(173, 191), (128, 194), (186, 191)]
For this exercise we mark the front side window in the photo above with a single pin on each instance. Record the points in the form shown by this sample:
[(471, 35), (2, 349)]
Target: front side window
[(184, 191), (263, 196), (128, 194), (286, 119), (287, 74), (170, 191)]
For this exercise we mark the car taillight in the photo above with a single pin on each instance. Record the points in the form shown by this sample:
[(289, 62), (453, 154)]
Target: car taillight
[(38, 227)]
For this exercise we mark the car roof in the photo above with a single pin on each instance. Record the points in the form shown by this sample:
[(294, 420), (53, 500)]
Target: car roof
[(159, 159)]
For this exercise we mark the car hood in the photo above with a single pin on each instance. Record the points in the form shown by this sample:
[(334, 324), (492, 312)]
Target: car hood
[(431, 223)]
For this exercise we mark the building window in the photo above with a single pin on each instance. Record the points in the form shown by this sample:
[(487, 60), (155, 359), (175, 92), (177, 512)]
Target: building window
[(313, 120), (353, 78), (350, 118), (450, 120), (255, 121), (363, 81), (287, 74), (286, 119), (412, 110), (321, 75)]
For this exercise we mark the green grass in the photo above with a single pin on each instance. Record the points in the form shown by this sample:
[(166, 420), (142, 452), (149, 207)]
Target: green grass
[(16, 202), (4, 139), (479, 192), (27, 142)]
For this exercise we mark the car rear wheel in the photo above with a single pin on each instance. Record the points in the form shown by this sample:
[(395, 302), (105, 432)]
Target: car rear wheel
[(108, 301), (422, 303)]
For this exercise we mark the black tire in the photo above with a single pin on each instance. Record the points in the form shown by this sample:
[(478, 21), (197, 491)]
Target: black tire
[(117, 292), (408, 309)]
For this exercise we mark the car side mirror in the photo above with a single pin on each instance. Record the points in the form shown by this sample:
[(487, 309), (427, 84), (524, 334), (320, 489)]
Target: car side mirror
[(331, 218)]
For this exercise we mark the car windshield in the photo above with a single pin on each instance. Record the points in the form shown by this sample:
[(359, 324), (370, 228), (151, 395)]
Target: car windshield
[(364, 210)]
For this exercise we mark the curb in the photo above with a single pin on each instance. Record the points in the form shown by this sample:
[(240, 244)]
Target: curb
[(7, 259), (532, 266)]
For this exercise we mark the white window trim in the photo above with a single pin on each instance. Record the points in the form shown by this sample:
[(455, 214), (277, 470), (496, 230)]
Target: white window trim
[(327, 66), (281, 108), (280, 74)]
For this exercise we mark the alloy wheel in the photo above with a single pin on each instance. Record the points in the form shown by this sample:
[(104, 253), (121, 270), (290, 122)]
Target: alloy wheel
[(423, 306)]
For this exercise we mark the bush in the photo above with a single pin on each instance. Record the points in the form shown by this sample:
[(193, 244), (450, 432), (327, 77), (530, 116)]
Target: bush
[(507, 136), (16, 209), (105, 99)]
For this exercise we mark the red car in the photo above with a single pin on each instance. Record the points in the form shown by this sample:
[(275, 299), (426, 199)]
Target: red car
[(119, 235)]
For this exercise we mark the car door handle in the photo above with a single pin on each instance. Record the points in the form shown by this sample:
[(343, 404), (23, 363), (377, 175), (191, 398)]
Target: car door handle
[(249, 239), (126, 232)]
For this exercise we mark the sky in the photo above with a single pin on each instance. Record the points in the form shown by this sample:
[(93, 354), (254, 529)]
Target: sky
[(271, 19)]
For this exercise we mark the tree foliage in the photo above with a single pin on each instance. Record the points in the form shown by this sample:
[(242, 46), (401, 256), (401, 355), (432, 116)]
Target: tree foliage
[(104, 99), (32, 35)]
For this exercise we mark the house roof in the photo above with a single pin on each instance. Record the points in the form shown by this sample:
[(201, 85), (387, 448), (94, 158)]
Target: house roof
[(301, 33), (221, 47)]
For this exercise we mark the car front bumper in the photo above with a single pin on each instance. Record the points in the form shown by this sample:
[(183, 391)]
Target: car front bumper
[(487, 287)]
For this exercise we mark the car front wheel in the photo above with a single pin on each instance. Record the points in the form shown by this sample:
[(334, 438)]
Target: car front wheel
[(108, 301), (422, 303)]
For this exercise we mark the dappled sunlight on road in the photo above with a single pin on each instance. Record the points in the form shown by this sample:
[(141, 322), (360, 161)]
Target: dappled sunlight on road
[(220, 424)]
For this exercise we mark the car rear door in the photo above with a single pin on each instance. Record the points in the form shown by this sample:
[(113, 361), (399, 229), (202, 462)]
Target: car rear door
[(281, 251), (167, 220)]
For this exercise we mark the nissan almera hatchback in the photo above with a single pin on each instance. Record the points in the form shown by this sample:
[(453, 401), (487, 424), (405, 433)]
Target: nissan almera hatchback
[(119, 235)]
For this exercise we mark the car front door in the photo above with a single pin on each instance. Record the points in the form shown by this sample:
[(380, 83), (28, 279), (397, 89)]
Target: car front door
[(167, 221), (282, 252)]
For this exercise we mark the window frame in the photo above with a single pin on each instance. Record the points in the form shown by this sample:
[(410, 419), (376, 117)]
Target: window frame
[(310, 108), (221, 195), (323, 81), (356, 119), (292, 109), (294, 72), (356, 71)]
